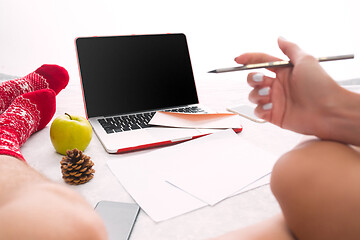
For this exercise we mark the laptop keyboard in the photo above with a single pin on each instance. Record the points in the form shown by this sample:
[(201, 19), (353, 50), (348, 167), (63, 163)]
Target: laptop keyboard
[(138, 121)]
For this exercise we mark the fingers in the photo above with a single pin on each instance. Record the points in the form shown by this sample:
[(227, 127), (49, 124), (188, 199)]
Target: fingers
[(262, 88), (261, 94), (259, 79), (251, 58), (290, 49), (264, 111)]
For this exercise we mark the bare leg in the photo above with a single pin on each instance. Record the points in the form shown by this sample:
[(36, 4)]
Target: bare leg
[(32, 207), (273, 228), (318, 188)]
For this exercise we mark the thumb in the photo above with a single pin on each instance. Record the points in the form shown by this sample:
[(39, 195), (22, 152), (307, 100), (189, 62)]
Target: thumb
[(290, 49)]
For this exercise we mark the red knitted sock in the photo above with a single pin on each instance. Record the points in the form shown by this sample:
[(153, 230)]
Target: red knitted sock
[(47, 76), (27, 114)]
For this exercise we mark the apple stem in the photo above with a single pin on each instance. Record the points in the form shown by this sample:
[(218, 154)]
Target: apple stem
[(68, 115)]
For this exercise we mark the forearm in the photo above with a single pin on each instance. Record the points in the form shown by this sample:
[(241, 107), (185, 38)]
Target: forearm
[(33, 207), (342, 119), (16, 175), (50, 211)]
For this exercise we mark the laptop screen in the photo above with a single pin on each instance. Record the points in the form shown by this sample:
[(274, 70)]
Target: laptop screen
[(124, 74)]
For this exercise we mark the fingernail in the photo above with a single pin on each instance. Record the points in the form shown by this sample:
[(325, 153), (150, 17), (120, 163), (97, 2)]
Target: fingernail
[(264, 91), (258, 77), (282, 38), (267, 106)]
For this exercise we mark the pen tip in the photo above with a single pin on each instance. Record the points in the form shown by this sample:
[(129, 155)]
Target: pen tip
[(213, 71)]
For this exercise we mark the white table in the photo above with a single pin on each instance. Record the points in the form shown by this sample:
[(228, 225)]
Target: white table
[(230, 214)]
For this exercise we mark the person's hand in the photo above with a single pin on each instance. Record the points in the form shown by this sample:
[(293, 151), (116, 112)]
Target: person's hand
[(299, 97)]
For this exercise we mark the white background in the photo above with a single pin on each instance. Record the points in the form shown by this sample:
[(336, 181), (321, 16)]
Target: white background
[(43, 31)]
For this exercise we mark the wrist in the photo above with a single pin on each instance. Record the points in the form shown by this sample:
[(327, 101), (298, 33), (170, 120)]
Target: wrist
[(340, 118)]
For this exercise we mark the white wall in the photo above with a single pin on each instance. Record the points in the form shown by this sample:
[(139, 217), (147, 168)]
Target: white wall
[(43, 31)]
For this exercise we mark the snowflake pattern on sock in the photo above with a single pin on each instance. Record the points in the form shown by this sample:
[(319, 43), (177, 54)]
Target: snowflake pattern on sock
[(17, 123), (9, 90), (9, 144), (23, 117)]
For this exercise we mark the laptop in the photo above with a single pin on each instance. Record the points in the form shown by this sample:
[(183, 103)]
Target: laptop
[(126, 79)]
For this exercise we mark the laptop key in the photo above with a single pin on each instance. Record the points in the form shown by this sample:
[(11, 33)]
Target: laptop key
[(126, 129), (109, 130), (137, 121), (118, 129), (144, 125), (109, 120), (135, 126), (126, 122), (102, 121)]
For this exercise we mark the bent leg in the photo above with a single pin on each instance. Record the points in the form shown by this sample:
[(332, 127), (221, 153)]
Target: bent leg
[(318, 188), (273, 228), (32, 207)]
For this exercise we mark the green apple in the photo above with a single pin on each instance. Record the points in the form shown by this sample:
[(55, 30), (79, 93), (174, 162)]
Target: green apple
[(70, 131)]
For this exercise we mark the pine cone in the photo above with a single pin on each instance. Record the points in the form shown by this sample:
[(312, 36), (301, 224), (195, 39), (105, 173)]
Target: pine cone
[(76, 167)]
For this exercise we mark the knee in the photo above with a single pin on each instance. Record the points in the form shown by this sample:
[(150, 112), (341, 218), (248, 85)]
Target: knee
[(308, 183), (295, 171)]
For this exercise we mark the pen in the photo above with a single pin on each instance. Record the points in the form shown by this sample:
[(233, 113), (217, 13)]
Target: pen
[(276, 64)]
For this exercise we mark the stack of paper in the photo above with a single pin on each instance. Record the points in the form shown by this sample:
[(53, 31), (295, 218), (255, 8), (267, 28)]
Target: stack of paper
[(171, 181)]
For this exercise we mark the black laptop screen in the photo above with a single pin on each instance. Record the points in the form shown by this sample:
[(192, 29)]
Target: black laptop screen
[(124, 74)]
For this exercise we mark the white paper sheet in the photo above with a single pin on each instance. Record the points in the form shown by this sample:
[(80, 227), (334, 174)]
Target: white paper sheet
[(219, 167), (258, 183), (143, 175)]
